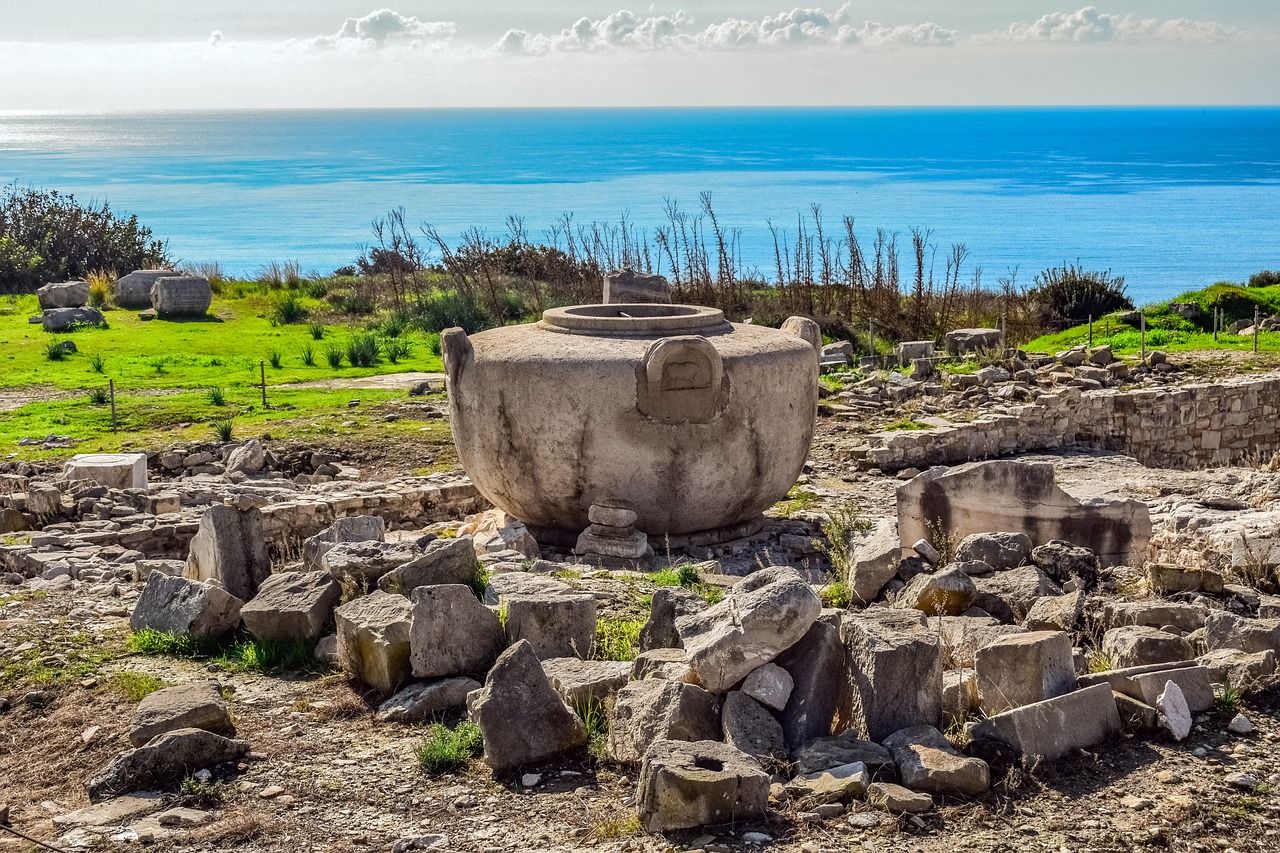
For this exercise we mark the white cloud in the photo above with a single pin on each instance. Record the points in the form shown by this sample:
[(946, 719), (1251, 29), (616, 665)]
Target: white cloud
[(1090, 25), (384, 27), (800, 27)]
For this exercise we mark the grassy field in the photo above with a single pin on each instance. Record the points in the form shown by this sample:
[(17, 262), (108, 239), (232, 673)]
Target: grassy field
[(173, 380)]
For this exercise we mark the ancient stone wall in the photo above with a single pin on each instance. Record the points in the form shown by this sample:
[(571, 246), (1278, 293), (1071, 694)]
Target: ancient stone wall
[(1189, 426)]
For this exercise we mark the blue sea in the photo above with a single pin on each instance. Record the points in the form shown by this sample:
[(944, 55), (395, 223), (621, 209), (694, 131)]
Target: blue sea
[(1169, 198)]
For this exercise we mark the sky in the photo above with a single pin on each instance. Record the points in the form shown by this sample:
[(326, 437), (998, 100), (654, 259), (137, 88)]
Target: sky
[(200, 54)]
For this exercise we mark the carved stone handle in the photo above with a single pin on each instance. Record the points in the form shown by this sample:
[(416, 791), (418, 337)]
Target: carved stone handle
[(456, 352), (680, 380)]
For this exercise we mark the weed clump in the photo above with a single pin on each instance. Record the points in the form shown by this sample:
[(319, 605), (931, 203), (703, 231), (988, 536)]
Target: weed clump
[(363, 350), (289, 311), (333, 355), (445, 749), (224, 430)]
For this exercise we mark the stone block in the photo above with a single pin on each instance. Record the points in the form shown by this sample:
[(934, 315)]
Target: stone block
[(1002, 494), (373, 639), (113, 470), (896, 666), (1010, 595), (1168, 580), (657, 709), (427, 701), (69, 319), (1055, 727), (948, 592), (451, 632), (840, 784), (1022, 669), (818, 666), (669, 604), (230, 548), (689, 784), (1055, 613), (181, 296), (521, 583), (626, 286), (133, 291), (1154, 614), (660, 663), (927, 762), (585, 682), (291, 605), (1138, 645), (824, 753), (1227, 631), (368, 560), (959, 694), (556, 626), (188, 706), (874, 561), (356, 528), (442, 561), (771, 685), (185, 608), (66, 294), (1237, 669), (748, 726), (896, 799), (1000, 550), (165, 759)]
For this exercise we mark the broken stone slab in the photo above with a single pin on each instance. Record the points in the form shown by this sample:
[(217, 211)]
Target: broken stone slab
[(451, 632), (1138, 645), (896, 666), (660, 663), (373, 639), (230, 548), (998, 549), (584, 682), (113, 470), (896, 799), (68, 319), (165, 758), (114, 812), (840, 784), (187, 706), (1168, 580), (927, 762), (1057, 726), (12, 521), (1145, 683), (185, 608), (443, 561), (959, 694), (426, 701), (948, 592), (356, 528), (1067, 564), (962, 341), (523, 720), (1240, 670), (669, 604), (818, 666), (658, 709), (494, 531), (702, 783), (962, 636), (557, 626), (1010, 595), (1154, 614), (1021, 669), (874, 561), (748, 726), (1226, 631), (1002, 494), (823, 753), (522, 583), (248, 458), (626, 286), (65, 294), (1055, 612), (760, 617), (366, 561), (770, 685), (181, 296), (291, 605)]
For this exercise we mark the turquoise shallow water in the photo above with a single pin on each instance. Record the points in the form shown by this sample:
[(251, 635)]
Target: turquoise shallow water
[(1169, 198)]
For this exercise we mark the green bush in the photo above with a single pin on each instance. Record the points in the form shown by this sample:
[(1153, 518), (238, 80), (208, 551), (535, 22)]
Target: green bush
[(316, 330), (444, 309), (362, 351), (224, 430), (48, 236), (98, 397), (333, 354), (289, 311), (351, 303), (446, 749), (396, 349), (1265, 278), (308, 355), (54, 351), (1077, 294)]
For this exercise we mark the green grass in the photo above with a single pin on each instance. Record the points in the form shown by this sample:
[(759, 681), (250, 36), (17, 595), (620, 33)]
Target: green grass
[(1226, 698), (906, 423), (445, 749), (240, 653), (685, 575), (961, 368), (836, 594), (617, 639), (134, 686), (71, 657), (798, 500), (153, 643), (595, 717)]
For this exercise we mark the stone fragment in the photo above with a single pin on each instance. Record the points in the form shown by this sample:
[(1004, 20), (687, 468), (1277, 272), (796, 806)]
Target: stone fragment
[(1237, 669), (1021, 669), (493, 531), (1010, 595), (1003, 494), (585, 682), (181, 296), (762, 616), (12, 521), (188, 706), (1138, 645), (1154, 614), (426, 701), (623, 286), (748, 726), (557, 626), (927, 762), (896, 799), (521, 583), (959, 694), (1240, 725), (451, 632), (165, 758), (356, 528), (291, 605), (248, 458), (66, 294), (44, 500), (185, 608), (1168, 580), (823, 753), (443, 561), (689, 784), (770, 685), (366, 561), (70, 319), (962, 341), (1175, 716), (962, 636), (896, 666), (133, 291), (230, 548), (1000, 550), (113, 470), (874, 561), (373, 639), (1055, 613), (1057, 726), (1226, 631), (948, 592), (114, 812), (820, 691), (669, 604), (839, 784), (523, 720), (660, 663), (1066, 564), (657, 709), (1193, 681)]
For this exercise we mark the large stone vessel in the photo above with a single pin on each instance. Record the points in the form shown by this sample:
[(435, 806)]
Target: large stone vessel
[(699, 423)]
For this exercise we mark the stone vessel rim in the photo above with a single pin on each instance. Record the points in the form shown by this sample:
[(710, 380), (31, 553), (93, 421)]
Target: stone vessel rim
[(634, 320)]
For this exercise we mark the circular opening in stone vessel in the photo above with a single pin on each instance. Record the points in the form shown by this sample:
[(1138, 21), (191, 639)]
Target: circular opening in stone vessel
[(634, 320), (713, 764)]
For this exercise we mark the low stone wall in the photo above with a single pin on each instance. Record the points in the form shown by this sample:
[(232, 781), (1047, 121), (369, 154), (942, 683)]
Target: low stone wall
[(1190, 426)]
